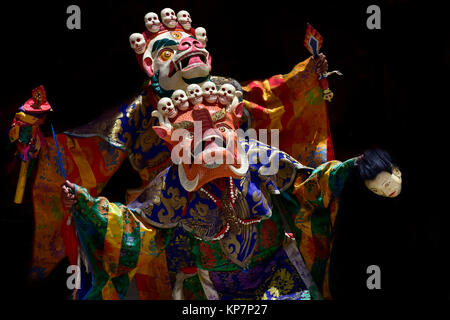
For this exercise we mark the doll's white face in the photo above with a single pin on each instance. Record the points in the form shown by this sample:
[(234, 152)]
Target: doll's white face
[(386, 184)]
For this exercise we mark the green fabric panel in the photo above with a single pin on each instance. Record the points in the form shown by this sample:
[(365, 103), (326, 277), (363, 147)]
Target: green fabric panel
[(121, 283), (292, 207), (320, 222), (131, 242), (193, 288), (339, 175), (320, 227), (318, 269), (25, 134), (100, 277), (86, 212), (91, 228)]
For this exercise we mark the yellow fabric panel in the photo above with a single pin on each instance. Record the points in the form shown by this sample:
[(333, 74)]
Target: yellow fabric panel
[(113, 240), (88, 180), (109, 292)]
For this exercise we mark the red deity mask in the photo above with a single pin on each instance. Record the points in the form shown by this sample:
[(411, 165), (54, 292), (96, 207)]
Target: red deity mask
[(202, 135)]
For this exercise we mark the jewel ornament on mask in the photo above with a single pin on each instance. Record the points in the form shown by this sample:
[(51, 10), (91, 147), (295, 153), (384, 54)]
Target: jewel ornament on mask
[(184, 18), (200, 34), (386, 184), (137, 43), (152, 22), (195, 94), (168, 18), (209, 91), (180, 100)]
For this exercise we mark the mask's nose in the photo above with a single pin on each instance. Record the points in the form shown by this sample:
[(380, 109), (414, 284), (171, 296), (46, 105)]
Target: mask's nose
[(189, 44), (200, 113)]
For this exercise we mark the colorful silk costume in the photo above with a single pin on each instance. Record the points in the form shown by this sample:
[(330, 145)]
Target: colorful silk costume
[(114, 136), (117, 238), (225, 238)]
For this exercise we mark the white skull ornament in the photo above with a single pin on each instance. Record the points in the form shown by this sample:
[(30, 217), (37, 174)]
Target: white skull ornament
[(137, 43), (152, 22), (168, 18), (226, 94), (184, 18), (209, 91), (200, 34), (166, 108), (194, 93), (180, 100)]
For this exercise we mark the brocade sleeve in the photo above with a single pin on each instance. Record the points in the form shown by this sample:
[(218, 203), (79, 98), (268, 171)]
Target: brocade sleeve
[(114, 241)]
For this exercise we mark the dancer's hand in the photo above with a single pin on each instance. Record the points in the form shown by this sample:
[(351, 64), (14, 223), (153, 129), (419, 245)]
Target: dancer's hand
[(68, 195), (321, 64)]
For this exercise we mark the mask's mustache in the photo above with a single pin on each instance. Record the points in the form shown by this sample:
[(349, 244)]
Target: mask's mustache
[(187, 184), (242, 170)]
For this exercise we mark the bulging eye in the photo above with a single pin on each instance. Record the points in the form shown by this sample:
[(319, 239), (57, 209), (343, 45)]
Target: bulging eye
[(166, 55), (223, 128)]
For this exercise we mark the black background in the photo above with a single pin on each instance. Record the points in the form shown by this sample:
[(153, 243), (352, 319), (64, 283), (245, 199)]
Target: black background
[(385, 99)]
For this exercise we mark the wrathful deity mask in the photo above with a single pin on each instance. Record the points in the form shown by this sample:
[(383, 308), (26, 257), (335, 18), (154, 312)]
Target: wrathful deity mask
[(386, 184), (172, 57), (197, 120), (202, 137), (175, 60)]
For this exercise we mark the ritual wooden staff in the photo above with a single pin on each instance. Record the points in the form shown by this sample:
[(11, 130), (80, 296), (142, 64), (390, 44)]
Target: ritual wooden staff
[(313, 42)]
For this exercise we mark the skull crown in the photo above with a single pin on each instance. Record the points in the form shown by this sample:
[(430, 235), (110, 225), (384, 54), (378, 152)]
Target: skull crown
[(169, 21), (169, 108)]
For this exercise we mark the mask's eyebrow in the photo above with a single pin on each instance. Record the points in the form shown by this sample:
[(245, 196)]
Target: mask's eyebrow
[(163, 43), (219, 115), (183, 125), (216, 116)]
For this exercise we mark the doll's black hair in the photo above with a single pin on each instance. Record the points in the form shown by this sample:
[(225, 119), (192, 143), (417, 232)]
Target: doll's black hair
[(373, 162)]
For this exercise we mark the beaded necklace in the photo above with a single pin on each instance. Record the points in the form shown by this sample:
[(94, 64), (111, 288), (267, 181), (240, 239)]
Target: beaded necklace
[(226, 204)]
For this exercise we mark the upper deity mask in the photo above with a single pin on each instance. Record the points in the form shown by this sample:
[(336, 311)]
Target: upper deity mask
[(172, 56), (197, 120)]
